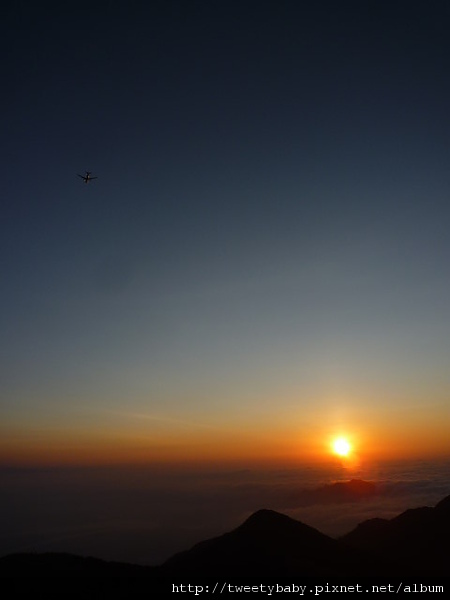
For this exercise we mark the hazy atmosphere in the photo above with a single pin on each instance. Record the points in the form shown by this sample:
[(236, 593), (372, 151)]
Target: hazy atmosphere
[(256, 281), (144, 515)]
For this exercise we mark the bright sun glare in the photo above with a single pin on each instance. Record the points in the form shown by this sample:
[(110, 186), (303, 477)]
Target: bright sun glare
[(341, 447)]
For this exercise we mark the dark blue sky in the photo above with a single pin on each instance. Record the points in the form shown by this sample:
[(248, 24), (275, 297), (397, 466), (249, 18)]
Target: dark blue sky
[(268, 233)]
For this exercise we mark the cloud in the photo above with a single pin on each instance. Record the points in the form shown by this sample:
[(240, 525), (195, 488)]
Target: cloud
[(108, 507), (335, 493)]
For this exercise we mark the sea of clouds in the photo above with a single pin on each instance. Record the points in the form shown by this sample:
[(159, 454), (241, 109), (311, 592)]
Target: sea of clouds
[(146, 514)]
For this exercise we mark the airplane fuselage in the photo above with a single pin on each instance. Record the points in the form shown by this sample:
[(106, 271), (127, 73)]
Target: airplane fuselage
[(87, 178)]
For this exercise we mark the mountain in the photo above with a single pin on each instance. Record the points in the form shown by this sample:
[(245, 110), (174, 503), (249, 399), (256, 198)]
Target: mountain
[(418, 539), (67, 565), (271, 544)]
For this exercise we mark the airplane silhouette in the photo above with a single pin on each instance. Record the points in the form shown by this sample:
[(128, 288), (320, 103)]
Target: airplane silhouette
[(87, 178)]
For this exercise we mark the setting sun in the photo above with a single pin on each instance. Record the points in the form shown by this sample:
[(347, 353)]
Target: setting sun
[(341, 446)]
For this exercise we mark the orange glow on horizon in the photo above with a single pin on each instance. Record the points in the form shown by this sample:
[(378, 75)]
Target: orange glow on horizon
[(239, 442)]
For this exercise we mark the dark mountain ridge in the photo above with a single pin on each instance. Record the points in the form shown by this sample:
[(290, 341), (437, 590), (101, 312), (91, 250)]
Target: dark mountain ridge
[(271, 544), (417, 538)]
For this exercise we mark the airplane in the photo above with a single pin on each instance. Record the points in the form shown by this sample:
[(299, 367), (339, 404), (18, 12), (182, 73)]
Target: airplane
[(87, 178)]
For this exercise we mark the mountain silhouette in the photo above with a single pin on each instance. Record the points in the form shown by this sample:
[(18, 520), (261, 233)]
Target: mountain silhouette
[(418, 538), (271, 544), (67, 565)]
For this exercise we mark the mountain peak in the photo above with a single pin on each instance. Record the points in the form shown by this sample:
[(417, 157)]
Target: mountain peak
[(266, 522), (265, 517), (273, 544), (444, 505)]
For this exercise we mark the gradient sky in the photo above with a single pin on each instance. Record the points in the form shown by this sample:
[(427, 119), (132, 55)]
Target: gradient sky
[(263, 261)]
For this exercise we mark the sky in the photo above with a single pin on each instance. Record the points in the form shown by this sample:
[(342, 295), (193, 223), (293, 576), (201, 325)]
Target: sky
[(262, 263)]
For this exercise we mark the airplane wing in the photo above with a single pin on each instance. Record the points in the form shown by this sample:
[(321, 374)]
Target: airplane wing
[(82, 176)]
